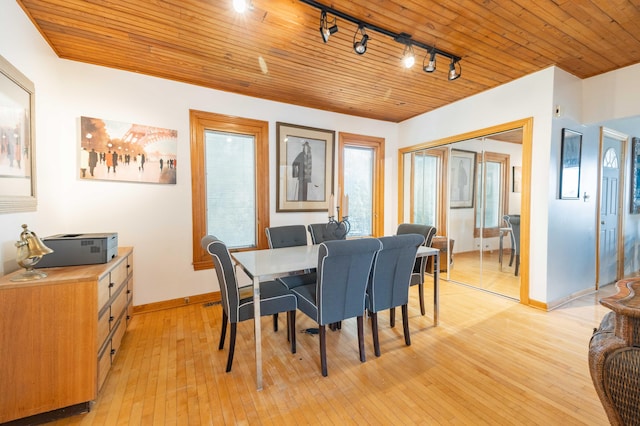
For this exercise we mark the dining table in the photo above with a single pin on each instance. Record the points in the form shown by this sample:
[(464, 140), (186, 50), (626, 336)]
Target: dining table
[(269, 264)]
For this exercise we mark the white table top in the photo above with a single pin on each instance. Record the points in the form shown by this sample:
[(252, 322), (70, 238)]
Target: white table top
[(273, 263)]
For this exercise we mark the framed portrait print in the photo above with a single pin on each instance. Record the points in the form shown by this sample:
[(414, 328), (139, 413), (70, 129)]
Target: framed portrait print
[(570, 165), (635, 176), (17, 157), (305, 168), (463, 173)]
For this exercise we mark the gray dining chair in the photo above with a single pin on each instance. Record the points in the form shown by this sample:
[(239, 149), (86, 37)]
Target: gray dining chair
[(286, 236), (339, 291), (321, 232), (274, 297), (514, 223), (420, 265), (388, 285), (290, 236)]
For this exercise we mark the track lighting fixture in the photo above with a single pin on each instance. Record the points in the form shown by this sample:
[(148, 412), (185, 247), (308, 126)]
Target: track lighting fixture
[(454, 72), (360, 39), (360, 46), (431, 65), (325, 29), (408, 57)]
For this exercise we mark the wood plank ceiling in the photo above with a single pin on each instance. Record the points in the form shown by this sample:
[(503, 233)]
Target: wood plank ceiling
[(275, 50)]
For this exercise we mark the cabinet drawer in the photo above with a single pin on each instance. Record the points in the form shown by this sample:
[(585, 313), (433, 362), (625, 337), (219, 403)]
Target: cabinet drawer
[(104, 291), (116, 340), (104, 327), (119, 274), (104, 364), (119, 304)]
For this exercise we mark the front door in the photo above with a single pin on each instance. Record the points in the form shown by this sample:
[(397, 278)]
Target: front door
[(611, 184)]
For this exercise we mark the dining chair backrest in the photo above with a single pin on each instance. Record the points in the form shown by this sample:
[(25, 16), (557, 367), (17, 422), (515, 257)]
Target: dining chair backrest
[(343, 273), (427, 231), (226, 275), (514, 223), (286, 236), (321, 232), (388, 285)]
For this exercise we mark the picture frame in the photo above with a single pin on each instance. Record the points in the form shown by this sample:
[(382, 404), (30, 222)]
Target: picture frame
[(463, 178), (517, 180), (17, 156), (119, 151), (305, 164), (570, 156), (635, 176)]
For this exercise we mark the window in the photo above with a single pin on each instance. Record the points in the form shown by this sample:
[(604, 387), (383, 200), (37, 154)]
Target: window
[(492, 187), (230, 182), (361, 171)]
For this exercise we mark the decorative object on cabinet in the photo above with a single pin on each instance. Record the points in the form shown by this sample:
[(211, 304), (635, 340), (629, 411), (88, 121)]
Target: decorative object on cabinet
[(30, 251), (305, 168), (126, 152), (60, 335), (635, 176), (463, 178), (17, 124), (614, 355), (570, 165)]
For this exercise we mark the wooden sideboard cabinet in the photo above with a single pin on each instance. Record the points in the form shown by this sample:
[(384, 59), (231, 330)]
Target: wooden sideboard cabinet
[(59, 335)]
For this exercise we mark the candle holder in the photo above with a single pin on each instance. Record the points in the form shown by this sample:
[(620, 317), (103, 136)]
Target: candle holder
[(339, 229)]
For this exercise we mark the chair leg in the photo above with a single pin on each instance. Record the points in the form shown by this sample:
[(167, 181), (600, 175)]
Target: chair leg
[(223, 331), (232, 345), (361, 338), (291, 329), (517, 264), (392, 317), (405, 324), (322, 333), (421, 293), (275, 322), (374, 333)]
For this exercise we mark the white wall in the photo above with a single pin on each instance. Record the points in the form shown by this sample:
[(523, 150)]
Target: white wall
[(155, 219)]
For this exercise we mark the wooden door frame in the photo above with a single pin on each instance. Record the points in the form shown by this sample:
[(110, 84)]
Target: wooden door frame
[(624, 140)]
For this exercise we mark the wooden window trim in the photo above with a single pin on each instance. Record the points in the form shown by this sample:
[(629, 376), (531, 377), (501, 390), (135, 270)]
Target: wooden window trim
[(377, 145), (504, 160), (199, 122)]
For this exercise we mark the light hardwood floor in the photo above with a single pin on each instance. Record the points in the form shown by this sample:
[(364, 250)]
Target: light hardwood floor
[(490, 361)]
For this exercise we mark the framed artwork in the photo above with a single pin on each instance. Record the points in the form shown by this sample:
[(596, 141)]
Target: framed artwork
[(517, 179), (17, 142), (463, 174), (126, 152), (305, 168), (570, 165), (635, 176)]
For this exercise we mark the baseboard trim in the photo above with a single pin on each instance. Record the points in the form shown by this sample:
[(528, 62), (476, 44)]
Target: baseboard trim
[(176, 303)]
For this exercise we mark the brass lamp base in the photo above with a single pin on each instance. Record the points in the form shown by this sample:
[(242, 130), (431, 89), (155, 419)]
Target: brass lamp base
[(29, 275)]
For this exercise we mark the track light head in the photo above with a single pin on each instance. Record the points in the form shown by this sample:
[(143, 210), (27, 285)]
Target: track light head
[(408, 57), (360, 46), (454, 72), (325, 29), (241, 6), (429, 66)]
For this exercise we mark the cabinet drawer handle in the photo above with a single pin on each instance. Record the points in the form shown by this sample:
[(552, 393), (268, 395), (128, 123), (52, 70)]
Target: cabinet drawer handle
[(111, 285), (128, 317), (111, 319), (113, 351), (128, 291)]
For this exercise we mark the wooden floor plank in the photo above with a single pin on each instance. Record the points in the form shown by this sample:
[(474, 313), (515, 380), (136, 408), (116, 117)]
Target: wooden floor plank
[(490, 361)]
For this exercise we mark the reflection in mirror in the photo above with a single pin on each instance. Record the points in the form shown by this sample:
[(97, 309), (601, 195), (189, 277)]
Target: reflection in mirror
[(475, 242)]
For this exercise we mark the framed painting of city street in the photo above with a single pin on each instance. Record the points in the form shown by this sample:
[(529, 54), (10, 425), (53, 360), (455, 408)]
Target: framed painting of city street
[(119, 151), (17, 142), (304, 170)]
